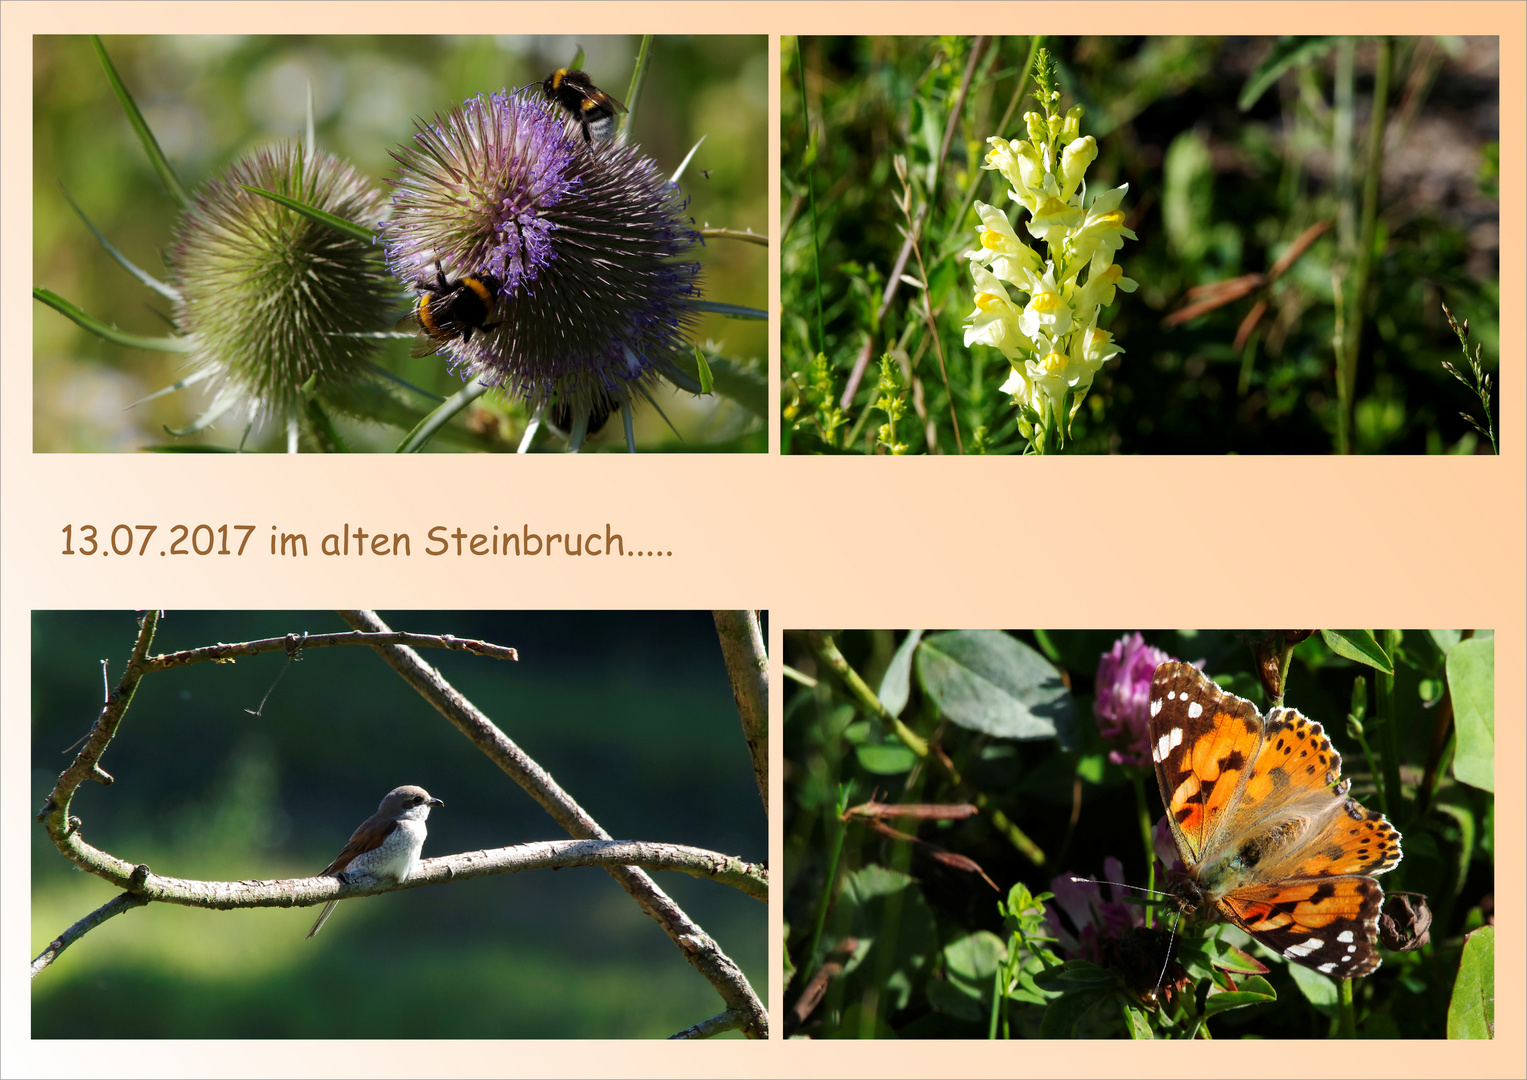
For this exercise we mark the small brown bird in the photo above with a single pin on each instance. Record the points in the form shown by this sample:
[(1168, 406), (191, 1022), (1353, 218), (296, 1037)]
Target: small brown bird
[(387, 844)]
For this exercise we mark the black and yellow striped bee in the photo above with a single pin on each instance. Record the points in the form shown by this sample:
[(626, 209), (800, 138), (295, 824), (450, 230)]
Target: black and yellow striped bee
[(590, 106), (450, 309)]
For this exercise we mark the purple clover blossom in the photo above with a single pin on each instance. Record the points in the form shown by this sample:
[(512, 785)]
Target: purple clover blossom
[(1112, 933), (587, 240), (1122, 704), (1096, 920)]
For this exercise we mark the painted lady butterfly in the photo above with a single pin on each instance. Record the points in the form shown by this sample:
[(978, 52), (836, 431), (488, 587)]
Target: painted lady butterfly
[(1264, 826)]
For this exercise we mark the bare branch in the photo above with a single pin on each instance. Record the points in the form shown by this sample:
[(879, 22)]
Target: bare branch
[(697, 946), (115, 906), (727, 1021), (747, 663), (295, 643), (54, 814), (144, 886)]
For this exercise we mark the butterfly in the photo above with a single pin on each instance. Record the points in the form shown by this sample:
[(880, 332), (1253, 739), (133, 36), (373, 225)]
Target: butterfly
[(1264, 827)]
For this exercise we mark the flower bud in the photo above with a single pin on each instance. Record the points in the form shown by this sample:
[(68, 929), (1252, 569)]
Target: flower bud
[(269, 298)]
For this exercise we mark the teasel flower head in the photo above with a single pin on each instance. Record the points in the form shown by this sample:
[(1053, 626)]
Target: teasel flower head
[(585, 240), (274, 303)]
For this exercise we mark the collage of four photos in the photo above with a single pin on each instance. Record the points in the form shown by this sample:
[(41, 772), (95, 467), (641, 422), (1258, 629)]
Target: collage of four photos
[(1190, 262)]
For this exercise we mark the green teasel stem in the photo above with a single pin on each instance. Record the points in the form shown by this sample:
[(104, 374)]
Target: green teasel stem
[(811, 192), (634, 90)]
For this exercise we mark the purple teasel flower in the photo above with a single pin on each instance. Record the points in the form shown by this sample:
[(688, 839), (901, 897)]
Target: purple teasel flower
[(585, 243)]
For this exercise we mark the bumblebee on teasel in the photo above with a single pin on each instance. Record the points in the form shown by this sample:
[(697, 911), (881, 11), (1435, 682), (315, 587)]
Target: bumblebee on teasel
[(594, 109), (582, 287), (450, 309)]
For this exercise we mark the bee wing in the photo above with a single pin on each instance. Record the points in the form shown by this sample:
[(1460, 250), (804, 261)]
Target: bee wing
[(424, 345), (602, 98)]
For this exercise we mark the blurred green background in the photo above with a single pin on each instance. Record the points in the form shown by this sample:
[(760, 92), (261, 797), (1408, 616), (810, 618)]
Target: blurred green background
[(631, 712), (209, 100), (1216, 191)]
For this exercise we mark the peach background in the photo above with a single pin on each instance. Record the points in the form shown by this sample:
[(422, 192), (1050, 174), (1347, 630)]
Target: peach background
[(1066, 542)]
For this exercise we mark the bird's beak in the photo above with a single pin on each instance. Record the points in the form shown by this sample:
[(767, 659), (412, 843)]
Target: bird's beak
[(437, 802)]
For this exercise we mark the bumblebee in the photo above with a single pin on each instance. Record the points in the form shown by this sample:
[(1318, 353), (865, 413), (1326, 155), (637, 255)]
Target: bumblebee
[(590, 106), (601, 411), (450, 309)]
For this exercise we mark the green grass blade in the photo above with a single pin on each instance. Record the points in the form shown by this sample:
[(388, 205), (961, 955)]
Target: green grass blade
[(156, 156)]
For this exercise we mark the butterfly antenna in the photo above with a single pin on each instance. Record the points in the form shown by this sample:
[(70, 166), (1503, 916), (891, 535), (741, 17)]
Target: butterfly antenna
[(1119, 885), (1170, 941)]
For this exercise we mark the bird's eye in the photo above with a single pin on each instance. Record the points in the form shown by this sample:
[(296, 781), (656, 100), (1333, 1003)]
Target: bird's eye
[(417, 800)]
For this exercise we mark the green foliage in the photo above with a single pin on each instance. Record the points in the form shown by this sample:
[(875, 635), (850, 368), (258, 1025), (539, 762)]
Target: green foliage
[(987, 681), (1228, 147), (968, 963), (1471, 1014)]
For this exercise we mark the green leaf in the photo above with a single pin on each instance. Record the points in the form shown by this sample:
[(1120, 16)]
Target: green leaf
[(1445, 639), (1074, 975), (886, 911), (110, 333), (148, 279), (1137, 1021), (1319, 990), (1288, 52), (707, 383), (731, 311), (1253, 991), (1471, 1013), (1471, 679), (896, 683), (885, 759), (156, 156), (949, 997), (1068, 1010), (1358, 645), (322, 217), (974, 959), (426, 429), (990, 682)]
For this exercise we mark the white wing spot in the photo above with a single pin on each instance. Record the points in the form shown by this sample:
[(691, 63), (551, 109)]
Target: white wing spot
[(1195, 710), (1166, 744), (1345, 935), (1156, 706), (1326, 969), (1304, 948)]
